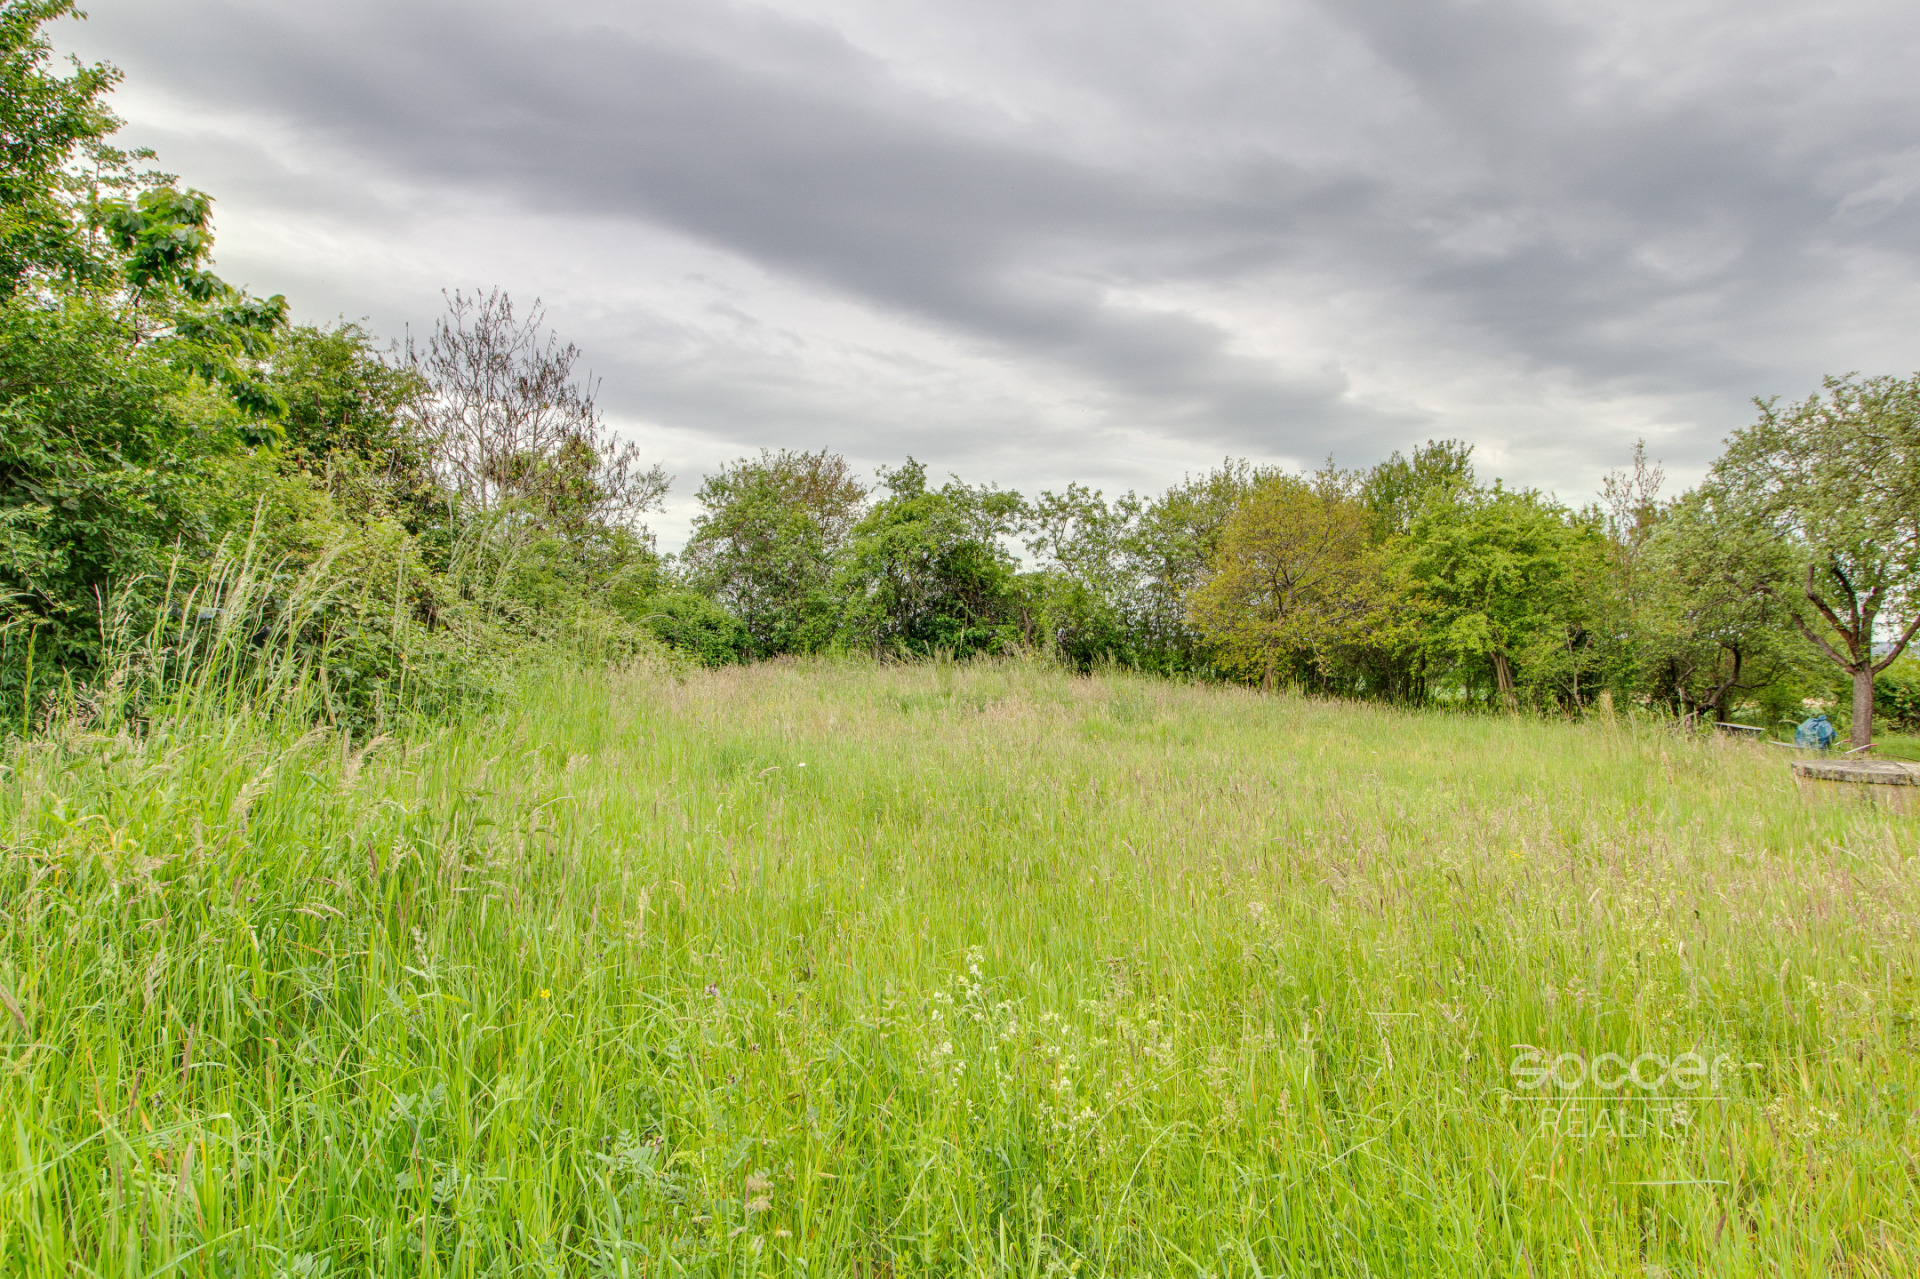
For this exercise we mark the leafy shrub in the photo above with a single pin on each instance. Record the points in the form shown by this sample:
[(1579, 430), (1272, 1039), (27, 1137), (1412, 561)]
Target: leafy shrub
[(696, 627), (1896, 694)]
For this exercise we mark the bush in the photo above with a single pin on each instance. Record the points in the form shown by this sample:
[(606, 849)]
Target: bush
[(696, 627), (104, 465), (1896, 694)]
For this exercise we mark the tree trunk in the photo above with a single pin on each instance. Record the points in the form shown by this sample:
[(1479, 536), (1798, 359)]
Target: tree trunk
[(1862, 706), (1503, 677), (1717, 702)]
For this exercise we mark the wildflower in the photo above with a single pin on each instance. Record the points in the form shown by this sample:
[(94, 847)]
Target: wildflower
[(546, 994)]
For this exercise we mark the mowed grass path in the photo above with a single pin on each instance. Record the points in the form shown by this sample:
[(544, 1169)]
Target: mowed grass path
[(843, 970)]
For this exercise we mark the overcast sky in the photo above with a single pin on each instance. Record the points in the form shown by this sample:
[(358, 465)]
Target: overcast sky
[(1033, 241)]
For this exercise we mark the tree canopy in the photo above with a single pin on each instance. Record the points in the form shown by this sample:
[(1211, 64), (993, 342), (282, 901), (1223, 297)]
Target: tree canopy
[(1295, 575), (1835, 479)]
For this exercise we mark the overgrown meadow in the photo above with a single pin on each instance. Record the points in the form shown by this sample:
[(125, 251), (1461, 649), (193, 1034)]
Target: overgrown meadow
[(806, 968)]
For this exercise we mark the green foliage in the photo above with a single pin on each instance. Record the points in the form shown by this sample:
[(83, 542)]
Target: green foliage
[(105, 468), (1500, 582), (1070, 619), (1295, 577), (165, 240), (1169, 552), (1836, 480), (1116, 579), (769, 542), (926, 570), (110, 449), (1708, 628), (49, 126), (153, 420), (342, 397), (1395, 490), (1077, 604), (346, 427), (695, 626), (1896, 694), (134, 456)]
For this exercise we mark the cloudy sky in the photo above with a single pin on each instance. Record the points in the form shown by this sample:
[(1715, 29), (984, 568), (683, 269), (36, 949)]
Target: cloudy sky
[(1033, 241)]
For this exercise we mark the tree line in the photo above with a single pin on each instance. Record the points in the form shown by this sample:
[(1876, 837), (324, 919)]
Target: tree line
[(409, 520), (1790, 569)]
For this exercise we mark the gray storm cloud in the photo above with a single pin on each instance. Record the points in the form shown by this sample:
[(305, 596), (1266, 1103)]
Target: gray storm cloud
[(1286, 230)]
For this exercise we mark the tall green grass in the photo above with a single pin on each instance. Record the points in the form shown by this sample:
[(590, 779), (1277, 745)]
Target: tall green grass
[(844, 970)]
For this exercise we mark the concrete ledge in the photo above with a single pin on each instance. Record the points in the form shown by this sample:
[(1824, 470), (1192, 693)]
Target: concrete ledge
[(1868, 772), (1881, 783)]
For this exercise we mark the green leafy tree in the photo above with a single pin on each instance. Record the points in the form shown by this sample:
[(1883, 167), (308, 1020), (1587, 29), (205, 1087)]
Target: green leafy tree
[(169, 298), (1167, 551), (1707, 628), (1395, 490), (1390, 663), (1295, 576), (129, 372), (1500, 582), (162, 433), (112, 330), (768, 542), (346, 424), (1629, 510), (926, 569), (105, 466), (1075, 602), (53, 150), (1836, 480), (77, 222)]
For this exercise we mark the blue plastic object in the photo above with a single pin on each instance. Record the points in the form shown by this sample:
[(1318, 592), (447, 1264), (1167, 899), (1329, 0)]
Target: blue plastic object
[(1816, 733)]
